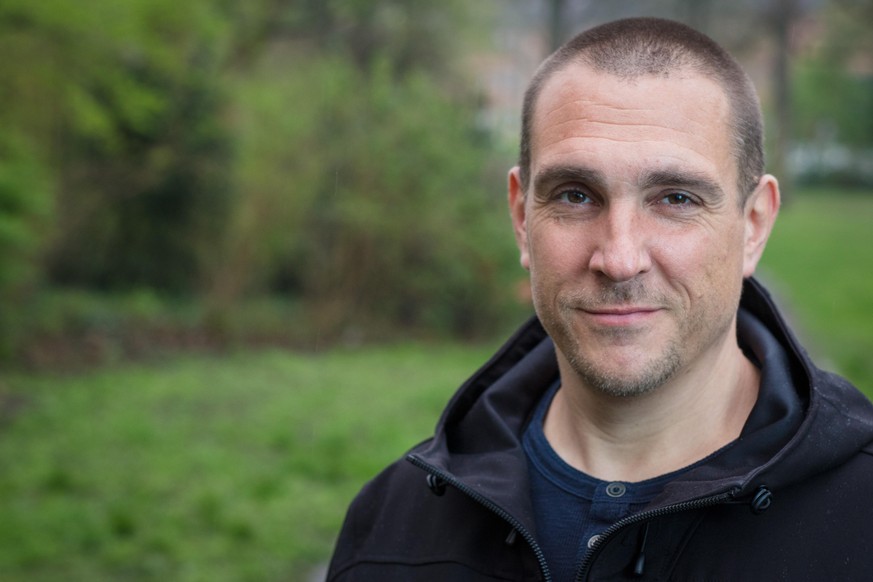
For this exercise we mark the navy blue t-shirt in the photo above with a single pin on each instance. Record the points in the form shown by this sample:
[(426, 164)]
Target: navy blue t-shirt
[(571, 507)]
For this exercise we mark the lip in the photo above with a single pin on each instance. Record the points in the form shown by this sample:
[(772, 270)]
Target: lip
[(627, 315)]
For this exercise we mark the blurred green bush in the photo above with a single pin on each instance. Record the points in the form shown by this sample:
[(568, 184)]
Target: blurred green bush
[(324, 152)]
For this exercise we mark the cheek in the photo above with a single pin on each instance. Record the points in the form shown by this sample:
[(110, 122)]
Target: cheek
[(557, 249), (707, 266)]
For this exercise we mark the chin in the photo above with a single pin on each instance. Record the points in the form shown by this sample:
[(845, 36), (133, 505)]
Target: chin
[(624, 382)]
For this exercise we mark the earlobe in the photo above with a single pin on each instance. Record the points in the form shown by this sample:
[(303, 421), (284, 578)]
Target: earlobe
[(760, 213), (517, 211)]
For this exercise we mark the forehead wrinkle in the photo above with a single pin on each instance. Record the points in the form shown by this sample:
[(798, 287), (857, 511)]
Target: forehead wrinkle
[(569, 143), (594, 104), (592, 122), (589, 109)]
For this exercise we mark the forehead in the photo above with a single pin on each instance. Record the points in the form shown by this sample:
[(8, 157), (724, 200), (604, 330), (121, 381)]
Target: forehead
[(682, 118)]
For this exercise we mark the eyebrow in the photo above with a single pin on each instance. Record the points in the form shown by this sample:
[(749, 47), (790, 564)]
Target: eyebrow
[(558, 174), (678, 178)]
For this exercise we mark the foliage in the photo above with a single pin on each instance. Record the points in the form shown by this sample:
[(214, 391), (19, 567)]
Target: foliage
[(829, 99), (408, 34), (361, 177), (833, 91), (237, 468), (831, 87), (24, 205), (74, 330), (140, 184), (326, 151), (365, 197), (117, 101)]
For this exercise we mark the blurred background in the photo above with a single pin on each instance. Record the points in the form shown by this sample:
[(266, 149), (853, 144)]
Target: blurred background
[(249, 249)]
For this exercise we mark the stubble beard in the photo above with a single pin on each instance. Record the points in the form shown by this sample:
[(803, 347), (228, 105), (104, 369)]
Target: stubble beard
[(655, 374), (661, 366)]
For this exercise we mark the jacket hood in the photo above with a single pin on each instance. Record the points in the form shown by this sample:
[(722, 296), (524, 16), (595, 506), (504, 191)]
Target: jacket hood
[(806, 420), (837, 419)]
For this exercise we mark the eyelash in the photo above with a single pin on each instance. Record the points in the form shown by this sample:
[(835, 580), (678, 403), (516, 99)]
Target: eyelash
[(689, 199), (564, 195)]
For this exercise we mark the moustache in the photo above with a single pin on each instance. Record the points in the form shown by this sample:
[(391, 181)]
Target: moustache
[(632, 292)]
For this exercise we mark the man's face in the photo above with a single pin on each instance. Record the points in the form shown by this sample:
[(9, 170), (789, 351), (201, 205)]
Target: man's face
[(632, 228)]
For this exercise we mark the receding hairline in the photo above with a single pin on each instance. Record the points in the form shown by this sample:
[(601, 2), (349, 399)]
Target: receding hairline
[(638, 47)]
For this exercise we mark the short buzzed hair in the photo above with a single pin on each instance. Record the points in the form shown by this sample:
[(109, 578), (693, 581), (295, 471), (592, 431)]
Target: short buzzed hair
[(637, 47)]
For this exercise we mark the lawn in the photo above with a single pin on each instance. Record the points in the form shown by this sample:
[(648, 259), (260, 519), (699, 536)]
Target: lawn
[(819, 262), (234, 468), (240, 467)]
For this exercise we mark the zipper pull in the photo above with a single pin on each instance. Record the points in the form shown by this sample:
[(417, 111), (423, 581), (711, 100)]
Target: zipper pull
[(640, 563)]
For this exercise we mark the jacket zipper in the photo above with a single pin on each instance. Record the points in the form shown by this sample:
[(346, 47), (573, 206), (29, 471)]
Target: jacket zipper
[(588, 560), (491, 506)]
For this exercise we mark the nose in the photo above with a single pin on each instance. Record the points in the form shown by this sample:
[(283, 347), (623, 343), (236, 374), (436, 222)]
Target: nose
[(621, 248)]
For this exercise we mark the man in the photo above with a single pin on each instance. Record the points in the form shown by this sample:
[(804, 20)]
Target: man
[(657, 419)]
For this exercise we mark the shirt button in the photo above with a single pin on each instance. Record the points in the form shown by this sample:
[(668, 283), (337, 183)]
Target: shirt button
[(593, 540), (615, 489)]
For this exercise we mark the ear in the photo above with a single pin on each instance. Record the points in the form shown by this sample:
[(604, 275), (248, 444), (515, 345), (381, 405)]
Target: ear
[(517, 210), (760, 213)]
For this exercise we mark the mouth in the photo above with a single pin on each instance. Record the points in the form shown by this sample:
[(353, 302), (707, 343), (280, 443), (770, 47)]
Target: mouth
[(621, 316)]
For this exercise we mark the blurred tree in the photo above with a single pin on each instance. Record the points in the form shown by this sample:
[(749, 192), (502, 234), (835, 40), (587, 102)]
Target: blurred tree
[(144, 182), (25, 206), (557, 23), (121, 102), (364, 180), (328, 150), (406, 34), (834, 89), (780, 17)]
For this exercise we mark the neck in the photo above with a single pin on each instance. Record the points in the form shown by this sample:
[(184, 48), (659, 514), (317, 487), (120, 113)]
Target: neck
[(636, 438)]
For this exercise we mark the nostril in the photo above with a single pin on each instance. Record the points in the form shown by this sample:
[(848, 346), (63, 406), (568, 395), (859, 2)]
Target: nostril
[(619, 264)]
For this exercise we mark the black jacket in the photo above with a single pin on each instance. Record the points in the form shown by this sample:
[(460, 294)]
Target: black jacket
[(791, 499)]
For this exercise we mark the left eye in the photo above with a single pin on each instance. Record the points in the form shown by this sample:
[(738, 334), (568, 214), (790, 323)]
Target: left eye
[(575, 196), (678, 199)]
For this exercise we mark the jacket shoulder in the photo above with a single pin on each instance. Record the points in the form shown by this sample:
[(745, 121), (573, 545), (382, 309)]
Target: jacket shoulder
[(404, 526), (816, 529)]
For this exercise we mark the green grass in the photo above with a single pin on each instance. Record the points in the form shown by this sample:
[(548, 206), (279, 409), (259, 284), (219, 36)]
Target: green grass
[(236, 468), (819, 262)]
